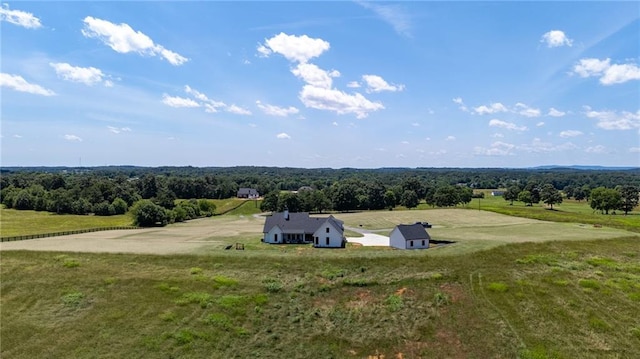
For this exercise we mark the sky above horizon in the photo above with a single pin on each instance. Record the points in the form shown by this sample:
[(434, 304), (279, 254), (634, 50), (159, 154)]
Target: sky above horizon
[(320, 84)]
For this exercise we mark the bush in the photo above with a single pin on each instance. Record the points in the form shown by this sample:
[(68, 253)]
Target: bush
[(148, 214)]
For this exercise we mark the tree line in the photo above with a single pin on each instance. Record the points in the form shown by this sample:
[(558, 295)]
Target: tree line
[(116, 190)]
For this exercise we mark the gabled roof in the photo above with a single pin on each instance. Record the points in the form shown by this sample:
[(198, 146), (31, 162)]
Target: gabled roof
[(299, 221), (247, 191), (413, 231)]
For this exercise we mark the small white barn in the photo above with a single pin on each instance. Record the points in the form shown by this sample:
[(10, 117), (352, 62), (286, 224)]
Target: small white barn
[(409, 236)]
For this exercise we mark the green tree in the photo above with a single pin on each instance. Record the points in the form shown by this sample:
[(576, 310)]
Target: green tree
[(409, 199), (207, 207), (525, 197), (148, 214), (446, 196), (270, 202), (628, 198), (119, 206), (375, 195), (23, 200), (290, 201), (320, 201), (511, 194), (550, 195), (465, 194), (390, 199), (605, 199)]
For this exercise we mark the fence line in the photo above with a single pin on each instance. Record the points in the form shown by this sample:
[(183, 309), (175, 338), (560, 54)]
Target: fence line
[(64, 233)]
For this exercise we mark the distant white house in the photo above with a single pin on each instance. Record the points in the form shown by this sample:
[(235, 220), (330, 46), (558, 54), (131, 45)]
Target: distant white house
[(285, 228), (250, 193), (409, 236), (497, 193)]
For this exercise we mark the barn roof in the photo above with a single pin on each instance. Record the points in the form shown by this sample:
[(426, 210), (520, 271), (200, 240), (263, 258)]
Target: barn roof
[(413, 231), (298, 221)]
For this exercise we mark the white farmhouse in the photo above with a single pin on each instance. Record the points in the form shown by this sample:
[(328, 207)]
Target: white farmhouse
[(409, 236), (285, 227)]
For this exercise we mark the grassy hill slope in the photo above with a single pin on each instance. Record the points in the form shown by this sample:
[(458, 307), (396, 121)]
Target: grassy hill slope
[(532, 300)]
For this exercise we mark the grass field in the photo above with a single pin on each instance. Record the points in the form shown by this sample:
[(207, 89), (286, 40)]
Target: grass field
[(575, 299), (16, 223)]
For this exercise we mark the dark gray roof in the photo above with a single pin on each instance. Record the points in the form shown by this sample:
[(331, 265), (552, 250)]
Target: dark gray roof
[(247, 191), (299, 221), (413, 231)]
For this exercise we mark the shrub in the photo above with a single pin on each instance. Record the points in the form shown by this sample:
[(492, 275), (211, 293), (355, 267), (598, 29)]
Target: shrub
[(201, 298), (71, 263), (498, 287), (394, 302), (72, 299), (589, 283)]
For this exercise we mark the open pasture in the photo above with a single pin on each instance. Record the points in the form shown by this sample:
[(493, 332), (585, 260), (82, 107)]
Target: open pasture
[(471, 230)]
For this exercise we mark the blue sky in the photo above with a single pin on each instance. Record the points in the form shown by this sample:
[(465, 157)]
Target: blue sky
[(320, 84)]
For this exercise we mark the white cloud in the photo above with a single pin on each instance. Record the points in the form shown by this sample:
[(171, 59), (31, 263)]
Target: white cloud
[(72, 138), (612, 120), (492, 108), (335, 100), (527, 111), (118, 130), (334, 123), (18, 17), (450, 138), (283, 136), (18, 83), (497, 148), (634, 149), (497, 135), (462, 106), (393, 14), (570, 133), (555, 113), (404, 142), (123, 39), (540, 124), (596, 149), (178, 101), (86, 75), (237, 110), (376, 83), (556, 38), (315, 76), (415, 124), (353, 84), (609, 74), (17, 136), (294, 48), (276, 110), (506, 125), (537, 146)]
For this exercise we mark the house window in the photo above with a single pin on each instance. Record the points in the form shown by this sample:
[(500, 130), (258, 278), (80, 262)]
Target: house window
[(275, 237), (327, 240), (327, 229), (411, 243), (423, 242)]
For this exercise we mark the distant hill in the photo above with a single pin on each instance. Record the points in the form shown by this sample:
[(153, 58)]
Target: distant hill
[(586, 168)]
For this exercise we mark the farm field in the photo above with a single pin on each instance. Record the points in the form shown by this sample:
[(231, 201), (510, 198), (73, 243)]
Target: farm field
[(471, 230), (569, 299)]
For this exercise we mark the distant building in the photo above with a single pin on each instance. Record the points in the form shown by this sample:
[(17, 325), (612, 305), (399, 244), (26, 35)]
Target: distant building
[(287, 228), (251, 193), (497, 193), (409, 236)]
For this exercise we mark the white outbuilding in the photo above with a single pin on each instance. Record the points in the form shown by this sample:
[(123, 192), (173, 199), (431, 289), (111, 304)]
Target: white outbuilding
[(409, 236)]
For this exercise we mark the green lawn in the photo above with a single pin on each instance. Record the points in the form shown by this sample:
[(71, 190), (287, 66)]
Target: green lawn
[(17, 223), (576, 299)]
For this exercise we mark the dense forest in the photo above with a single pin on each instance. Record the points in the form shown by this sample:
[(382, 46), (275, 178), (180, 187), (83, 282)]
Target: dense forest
[(114, 190)]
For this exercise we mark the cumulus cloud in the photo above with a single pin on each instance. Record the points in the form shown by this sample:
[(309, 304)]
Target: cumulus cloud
[(283, 136), (276, 110), (492, 108), (123, 39), (353, 84), (117, 130), (293, 48), (556, 38), (18, 83), (176, 101), (497, 148), (526, 111), (337, 101), (18, 17), (570, 133), (613, 120), (609, 74), (506, 125), (376, 83), (237, 110), (462, 106), (72, 138), (86, 75), (315, 76), (596, 149), (210, 105), (555, 113)]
